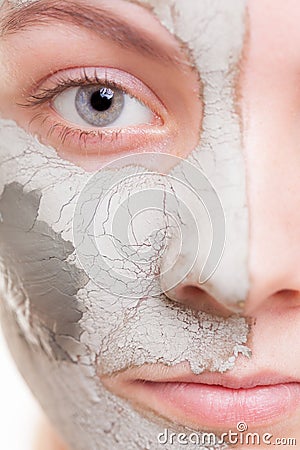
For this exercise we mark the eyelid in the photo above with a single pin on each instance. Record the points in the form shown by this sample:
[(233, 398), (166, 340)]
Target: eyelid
[(60, 81)]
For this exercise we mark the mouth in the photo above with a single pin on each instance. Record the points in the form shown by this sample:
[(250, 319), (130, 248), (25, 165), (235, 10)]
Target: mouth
[(210, 401)]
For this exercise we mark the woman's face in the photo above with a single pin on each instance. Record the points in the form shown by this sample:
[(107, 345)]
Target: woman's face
[(149, 155)]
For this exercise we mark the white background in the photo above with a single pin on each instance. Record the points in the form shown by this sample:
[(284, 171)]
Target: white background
[(19, 413)]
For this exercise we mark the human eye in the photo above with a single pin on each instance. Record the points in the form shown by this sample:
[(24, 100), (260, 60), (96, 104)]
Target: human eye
[(95, 110), (101, 105)]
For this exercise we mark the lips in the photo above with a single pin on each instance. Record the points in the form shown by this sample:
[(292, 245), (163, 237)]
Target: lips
[(213, 406), (209, 401)]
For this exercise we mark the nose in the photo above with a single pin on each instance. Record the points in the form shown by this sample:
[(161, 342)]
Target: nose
[(273, 245), (274, 187), (260, 268), (274, 198), (264, 267)]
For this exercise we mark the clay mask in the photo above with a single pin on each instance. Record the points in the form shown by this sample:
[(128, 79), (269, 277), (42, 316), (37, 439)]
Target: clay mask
[(66, 324)]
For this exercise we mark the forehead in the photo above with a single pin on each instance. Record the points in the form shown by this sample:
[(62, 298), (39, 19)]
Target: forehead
[(211, 29)]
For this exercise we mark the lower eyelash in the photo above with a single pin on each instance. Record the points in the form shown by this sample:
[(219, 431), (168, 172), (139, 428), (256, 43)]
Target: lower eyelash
[(65, 132)]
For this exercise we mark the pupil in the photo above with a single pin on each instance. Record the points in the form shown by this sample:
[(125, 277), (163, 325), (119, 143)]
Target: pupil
[(102, 100)]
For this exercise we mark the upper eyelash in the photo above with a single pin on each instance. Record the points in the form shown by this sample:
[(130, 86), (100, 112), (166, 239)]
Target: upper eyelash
[(44, 95)]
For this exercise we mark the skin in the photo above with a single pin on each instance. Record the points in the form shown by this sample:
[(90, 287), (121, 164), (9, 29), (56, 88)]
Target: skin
[(263, 137), (46, 438)]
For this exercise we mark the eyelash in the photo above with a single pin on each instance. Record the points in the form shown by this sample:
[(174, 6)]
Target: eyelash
[(44, 96)]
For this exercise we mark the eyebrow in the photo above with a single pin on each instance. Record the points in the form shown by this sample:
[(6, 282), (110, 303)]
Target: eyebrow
[(104, 22)]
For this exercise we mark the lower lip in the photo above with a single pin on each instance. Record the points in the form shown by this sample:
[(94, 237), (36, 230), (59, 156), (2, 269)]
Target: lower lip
[(217, 406)]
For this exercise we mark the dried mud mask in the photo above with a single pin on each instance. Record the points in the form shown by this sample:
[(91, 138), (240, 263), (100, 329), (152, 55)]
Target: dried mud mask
[(64, 325), (75, 328)]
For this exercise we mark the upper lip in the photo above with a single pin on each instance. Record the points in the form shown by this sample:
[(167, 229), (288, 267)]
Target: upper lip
[(227, 380)]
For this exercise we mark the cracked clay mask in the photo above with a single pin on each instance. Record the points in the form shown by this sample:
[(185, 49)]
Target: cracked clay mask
[(91, 260)]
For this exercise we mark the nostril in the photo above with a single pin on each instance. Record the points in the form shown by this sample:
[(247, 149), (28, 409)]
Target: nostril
[(198, 299), (280, 301), (288, 295)]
